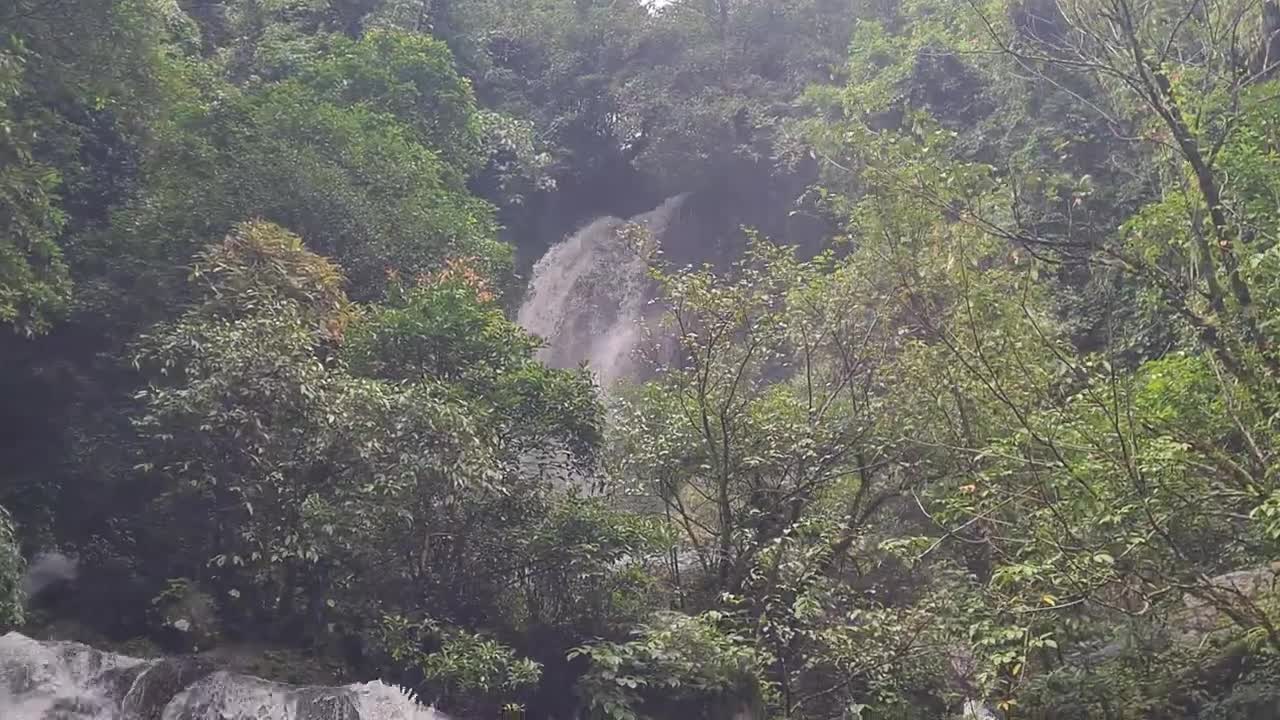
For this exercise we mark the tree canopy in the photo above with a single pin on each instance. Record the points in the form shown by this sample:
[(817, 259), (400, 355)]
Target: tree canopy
[(960, 394)]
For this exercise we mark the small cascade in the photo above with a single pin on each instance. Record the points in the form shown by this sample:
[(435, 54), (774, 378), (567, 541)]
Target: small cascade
[(379, 700), (62, 681), (589, 294), (42, 680)]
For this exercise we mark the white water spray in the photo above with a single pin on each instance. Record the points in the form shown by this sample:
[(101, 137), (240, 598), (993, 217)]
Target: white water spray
[(588, 295), (46, 569), (68, 681)]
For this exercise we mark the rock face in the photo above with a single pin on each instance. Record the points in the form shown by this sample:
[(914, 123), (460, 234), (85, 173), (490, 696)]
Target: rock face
[(70, 681), (1198, 617)]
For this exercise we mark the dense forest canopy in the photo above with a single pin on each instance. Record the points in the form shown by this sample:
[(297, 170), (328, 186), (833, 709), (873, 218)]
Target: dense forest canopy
[(960, 394)]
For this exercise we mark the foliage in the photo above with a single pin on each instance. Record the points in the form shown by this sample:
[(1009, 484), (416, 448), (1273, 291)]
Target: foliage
[(1004, 439), (595, 569), (353, 181), (411, 77), (259, 265), (463, 662), (291, 443), (675, 660), (736, 456), (453, 303), (447, 327), (67, 92), (11, 567), (245, 414), (33, 278), (761, 444), (471, 662), (1086, 474)]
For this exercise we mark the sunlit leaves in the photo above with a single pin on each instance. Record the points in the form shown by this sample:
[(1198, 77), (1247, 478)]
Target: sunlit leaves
[(462, 663), (34, 281)]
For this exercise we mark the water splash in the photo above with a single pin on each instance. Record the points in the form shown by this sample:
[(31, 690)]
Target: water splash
[(48, 568), (69, 681), (589, 294), (379, 700), (40, 680)]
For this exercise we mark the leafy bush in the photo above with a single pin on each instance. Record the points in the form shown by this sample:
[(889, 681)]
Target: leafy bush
[(462, 663), (675, 666)]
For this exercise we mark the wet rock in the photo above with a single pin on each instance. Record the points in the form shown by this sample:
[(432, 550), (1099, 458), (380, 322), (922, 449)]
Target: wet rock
[(228, 696), (159, 683), (1199, 617)]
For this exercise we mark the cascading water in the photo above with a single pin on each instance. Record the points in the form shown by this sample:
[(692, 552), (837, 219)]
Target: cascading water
[(42, 680), (588, 295)]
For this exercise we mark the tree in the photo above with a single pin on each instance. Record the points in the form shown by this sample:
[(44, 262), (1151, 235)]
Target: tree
[(298, 460), (761, 442), (33, 278), (1007, 438), (761, 412), (411, 77), (357, 182), (316, 463), (1085, 483), (68, 94)]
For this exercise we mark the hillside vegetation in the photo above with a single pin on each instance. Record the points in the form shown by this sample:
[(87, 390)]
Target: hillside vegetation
[(965, 395)]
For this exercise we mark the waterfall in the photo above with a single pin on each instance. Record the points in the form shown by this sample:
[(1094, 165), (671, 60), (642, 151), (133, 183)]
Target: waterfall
[(68, 681), (588, 295)]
